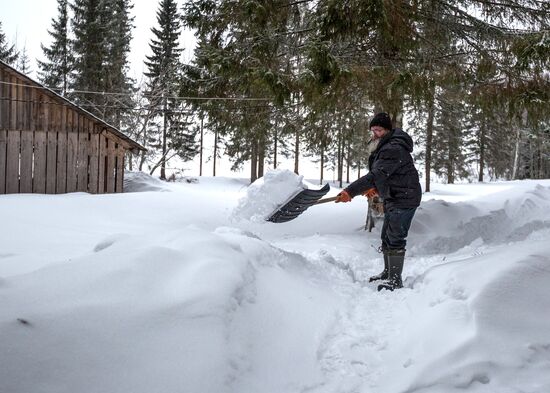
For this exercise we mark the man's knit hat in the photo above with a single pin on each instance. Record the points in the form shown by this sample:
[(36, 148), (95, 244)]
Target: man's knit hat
[(381, 119)]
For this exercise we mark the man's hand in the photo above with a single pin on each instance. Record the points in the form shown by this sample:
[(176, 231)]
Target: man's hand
[(371, 193), (343, 196)]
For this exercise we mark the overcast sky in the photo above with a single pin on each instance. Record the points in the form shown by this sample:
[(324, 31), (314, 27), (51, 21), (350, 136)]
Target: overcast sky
[(27, 22)]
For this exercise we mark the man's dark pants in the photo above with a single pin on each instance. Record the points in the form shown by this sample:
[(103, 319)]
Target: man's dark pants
[(396, 226)]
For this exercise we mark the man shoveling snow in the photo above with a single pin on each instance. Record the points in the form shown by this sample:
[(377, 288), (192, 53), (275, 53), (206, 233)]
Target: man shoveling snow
[(392, 175)]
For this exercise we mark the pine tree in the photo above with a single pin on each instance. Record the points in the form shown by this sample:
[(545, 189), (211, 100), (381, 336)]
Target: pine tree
[(89, 50), (116, 64), (24, 62), (494, 138), (101, 45), (199, 81), (55, 70), (164, 67), (370, 40), (241, 52), (408, 51), (381, 55), (8, 53), (451, 158)]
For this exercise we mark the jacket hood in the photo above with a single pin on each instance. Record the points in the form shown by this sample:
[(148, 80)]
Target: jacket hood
[(401, 137)]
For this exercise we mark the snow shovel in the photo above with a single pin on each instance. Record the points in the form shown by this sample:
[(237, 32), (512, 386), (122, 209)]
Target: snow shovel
[(299, 204)]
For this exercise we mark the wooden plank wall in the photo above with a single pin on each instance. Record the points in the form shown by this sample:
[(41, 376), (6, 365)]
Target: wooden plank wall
[(111, 156), (72, 149), (61, 161), (27, 145), (4, 105), (119, 169), (47, 146), (82, 155), (12, 162), (101, 163), (3, 156)]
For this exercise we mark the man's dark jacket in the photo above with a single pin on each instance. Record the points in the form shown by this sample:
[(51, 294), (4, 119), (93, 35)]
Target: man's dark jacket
[(392, 172)]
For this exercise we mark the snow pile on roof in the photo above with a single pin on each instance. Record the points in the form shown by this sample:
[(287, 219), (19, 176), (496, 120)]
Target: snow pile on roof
[(267, 194)]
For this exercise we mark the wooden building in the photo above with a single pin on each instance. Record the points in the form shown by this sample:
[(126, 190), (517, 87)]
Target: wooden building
[(50, 145)]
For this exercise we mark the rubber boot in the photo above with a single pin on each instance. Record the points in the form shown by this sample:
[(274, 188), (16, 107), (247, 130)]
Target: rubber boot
[(384, 275), (396, 259)]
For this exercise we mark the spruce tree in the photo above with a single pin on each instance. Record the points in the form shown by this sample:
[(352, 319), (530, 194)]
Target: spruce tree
[(24, 62), (164, 62), (89, 50), (242, 53), (8, 53), (56, 68), (164, 80), (407, 52), (101, 45), (383, 55), (119, 25), (450, 158)]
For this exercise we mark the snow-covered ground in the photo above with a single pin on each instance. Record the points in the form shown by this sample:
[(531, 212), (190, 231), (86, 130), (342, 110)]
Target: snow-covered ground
[(183, 287)]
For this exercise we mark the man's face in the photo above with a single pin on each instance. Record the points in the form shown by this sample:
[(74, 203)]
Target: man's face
[(378, 131)]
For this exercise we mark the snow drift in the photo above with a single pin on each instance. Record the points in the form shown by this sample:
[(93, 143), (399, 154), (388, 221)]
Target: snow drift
[(188, 291)]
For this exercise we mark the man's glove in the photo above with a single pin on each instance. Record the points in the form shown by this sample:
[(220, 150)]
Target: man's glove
[(371, 193), (343, 196)]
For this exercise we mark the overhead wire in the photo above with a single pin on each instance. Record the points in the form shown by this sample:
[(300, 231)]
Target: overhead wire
[(132, 108), (107, 93)]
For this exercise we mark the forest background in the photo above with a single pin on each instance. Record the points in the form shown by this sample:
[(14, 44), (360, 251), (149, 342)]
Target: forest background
[(273, 80)]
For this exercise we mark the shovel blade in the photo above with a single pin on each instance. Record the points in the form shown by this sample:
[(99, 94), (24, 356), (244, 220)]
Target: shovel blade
[(298, 204)]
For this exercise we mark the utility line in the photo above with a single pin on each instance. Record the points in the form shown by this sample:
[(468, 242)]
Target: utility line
[(106, 93), (157, 108)]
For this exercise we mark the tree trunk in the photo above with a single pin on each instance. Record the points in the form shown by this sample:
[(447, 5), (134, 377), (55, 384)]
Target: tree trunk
[(322, 174), (254, 162), (540, 159), (348, 162), (397, 119), (202, 146), (339, 160), (261, 158), (481, 149), (215, 153), (296, 151), (533, 165), (141, 160), (129, 161), (297, 136), (164, 132), (275, 142), (429, 138), (518, 142), (450, 171)]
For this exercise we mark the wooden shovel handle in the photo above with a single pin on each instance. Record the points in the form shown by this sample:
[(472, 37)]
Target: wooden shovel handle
[(325, 200)]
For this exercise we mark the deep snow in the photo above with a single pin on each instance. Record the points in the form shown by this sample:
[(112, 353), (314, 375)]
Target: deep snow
[(185, 288)]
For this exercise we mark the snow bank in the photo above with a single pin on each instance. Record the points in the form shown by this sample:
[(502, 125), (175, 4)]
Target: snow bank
[(458, 225), (141, 181), (267, 194), (184, 310), (479, 324), (154, 292)]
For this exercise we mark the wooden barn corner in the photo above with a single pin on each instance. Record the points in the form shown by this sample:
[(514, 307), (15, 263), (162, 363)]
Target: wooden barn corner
[(50, 145)]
